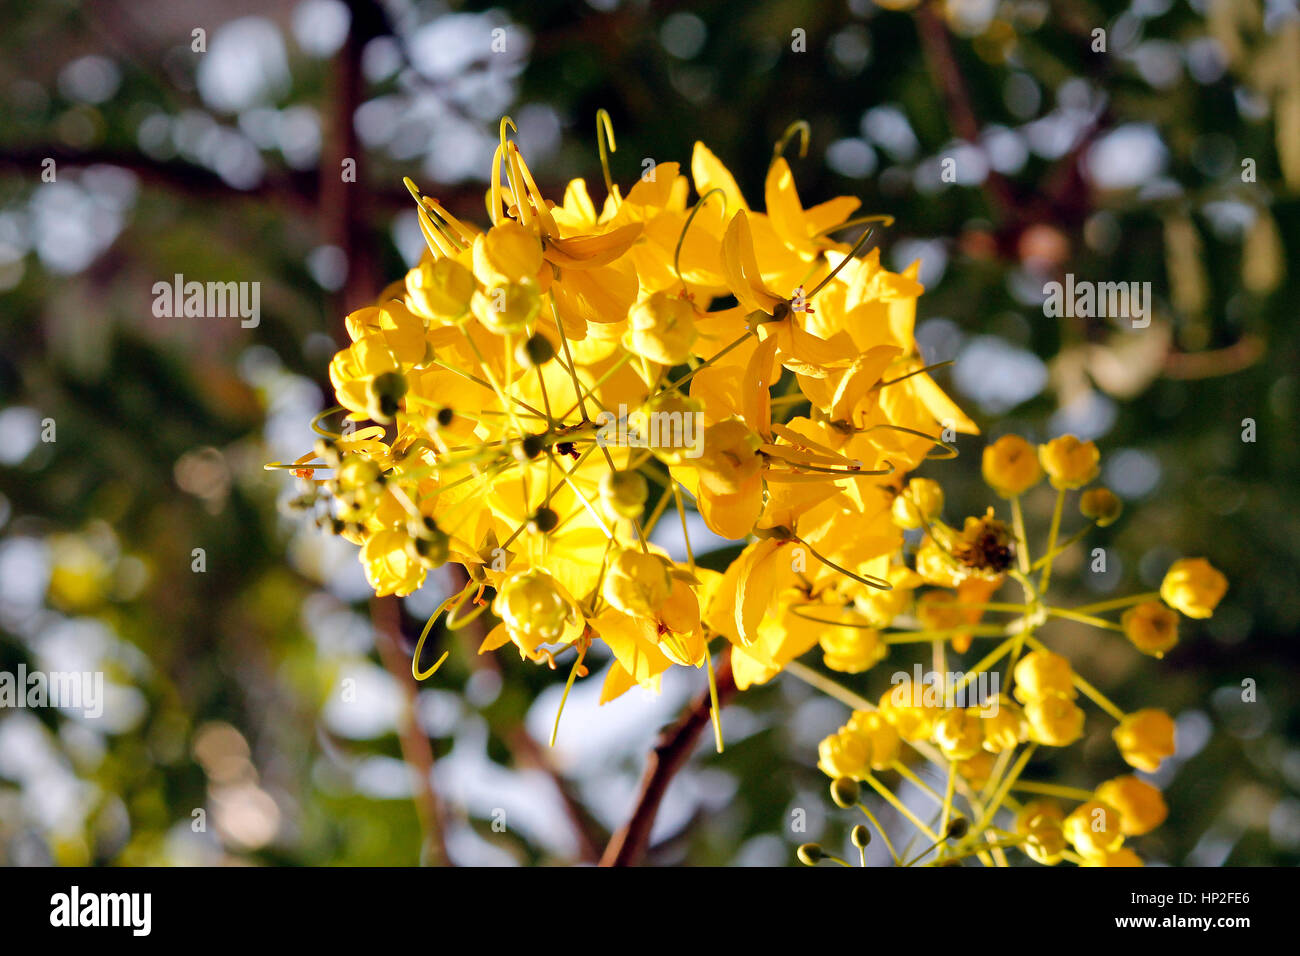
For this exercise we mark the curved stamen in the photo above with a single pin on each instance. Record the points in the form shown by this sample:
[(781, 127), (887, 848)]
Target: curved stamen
[(604, 136), (799, 128), (681, 239)]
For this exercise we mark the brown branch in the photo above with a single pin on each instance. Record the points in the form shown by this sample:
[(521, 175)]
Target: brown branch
[(417, 752), (673, 748), (961, 115)]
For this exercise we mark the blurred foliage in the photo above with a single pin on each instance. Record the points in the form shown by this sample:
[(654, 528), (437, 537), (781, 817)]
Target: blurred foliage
[(1122, 164)]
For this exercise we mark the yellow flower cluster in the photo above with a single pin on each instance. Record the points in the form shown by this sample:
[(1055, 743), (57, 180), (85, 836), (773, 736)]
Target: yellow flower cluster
[(982, 747), (531, 399)]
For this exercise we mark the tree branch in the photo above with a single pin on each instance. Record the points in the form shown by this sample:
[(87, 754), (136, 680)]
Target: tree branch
[(675, 745)]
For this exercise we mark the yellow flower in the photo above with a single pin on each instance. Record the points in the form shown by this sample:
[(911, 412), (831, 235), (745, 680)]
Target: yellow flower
[(852, 650), (985, 547), (1054, 720), (637, 583), (1093, 828), (1145, 738), (867, 742), (1141, 806), (1010, 466), (1152, 628), (1041, 821), (880, 735), (911, 709), (533, 608), (1005, 727), (390, 566), (1043, 674), (1194, 587), (1069, 463), (959, 733)]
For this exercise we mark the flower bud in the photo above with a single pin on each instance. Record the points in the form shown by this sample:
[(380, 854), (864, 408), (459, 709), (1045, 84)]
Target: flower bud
[(1141, 806), (1194, 587), (1054, 720), (623, 493), (1010, 466), (1093, 828), (1069, 463), (1043, 674), (534, 351), (851, 650), (1145, 738), (810, 854), (637, 583), (1151, 627), (532, 607), (845, 792), (385, 394)]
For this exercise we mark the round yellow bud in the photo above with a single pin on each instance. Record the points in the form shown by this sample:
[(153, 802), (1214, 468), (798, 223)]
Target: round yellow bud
[(1069, 463), (532, 608), (440, 289), (1043, 674), (1054, 720), (912, 708), (919, 503), (1141, 806), (1194, 587), (880, 735), (852, 650), (844, 754), (1004, 725), (637, 583), (1145, 738), (1152, 627), (1093, 828), (1101, 505), (959, 733), (623, 493), (662, 328), (1041, 821), (1010, 466)]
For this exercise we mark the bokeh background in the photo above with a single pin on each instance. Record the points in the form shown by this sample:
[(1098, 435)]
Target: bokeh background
[(269, 693)]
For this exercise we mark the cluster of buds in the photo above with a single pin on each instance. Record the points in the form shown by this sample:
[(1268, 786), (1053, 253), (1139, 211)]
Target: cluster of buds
[(982, 749)]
